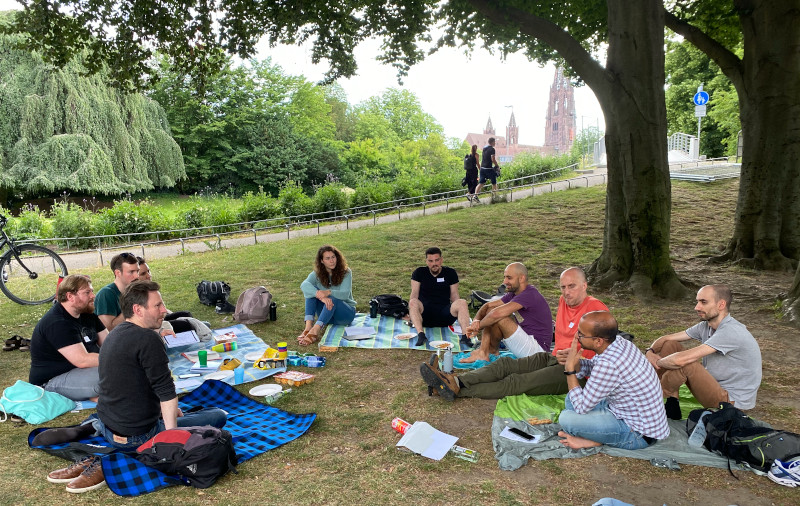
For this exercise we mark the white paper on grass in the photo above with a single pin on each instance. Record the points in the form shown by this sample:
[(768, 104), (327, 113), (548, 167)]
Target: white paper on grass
[(506, 433), (424, 440)]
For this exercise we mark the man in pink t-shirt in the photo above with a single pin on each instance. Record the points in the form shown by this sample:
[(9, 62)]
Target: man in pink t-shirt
[(537, 374)]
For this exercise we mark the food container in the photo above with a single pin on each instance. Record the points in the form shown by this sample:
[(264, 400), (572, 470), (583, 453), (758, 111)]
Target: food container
[(538, 415), (294, 378)]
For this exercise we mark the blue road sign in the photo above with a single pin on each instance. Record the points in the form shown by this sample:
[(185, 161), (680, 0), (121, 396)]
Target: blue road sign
[(700, 98)]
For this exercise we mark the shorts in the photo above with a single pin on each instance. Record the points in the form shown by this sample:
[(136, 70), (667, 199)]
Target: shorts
[(488, 174), (436, 316), (521, 344)]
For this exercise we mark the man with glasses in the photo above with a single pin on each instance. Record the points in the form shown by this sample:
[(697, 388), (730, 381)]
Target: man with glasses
[(125, 267), (620, 405), (730, 370), (66, 342)]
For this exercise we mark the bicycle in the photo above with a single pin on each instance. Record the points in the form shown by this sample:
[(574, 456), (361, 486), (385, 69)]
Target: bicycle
[(29, 273)]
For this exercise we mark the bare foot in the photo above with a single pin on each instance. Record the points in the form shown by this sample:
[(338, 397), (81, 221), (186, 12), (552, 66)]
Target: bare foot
[(576, 442), (474, 356)]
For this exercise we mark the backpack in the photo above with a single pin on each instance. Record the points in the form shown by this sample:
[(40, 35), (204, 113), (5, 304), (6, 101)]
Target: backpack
[(730, 432), (390, 305), (199, 455), (212, 293), (253, 305)]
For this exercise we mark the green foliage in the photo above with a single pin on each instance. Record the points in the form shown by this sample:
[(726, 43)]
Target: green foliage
[(257, 206), (406, 187), (583, 145), (71, 220), (331, 197), (292, 201), (127, 217), (367, 194), (529, 164), (30, 224), (443, 182)]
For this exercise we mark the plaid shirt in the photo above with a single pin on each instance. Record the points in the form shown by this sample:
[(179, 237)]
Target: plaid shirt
[(623, 376)]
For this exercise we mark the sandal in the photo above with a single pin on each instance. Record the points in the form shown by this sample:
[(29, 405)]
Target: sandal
[(14, 343), (303, 334), (25, 345), (310, 338)]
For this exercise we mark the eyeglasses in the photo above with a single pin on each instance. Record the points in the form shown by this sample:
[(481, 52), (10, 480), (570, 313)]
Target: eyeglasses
[(85, 292)]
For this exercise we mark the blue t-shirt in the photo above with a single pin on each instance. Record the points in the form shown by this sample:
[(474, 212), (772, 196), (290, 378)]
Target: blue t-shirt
[(535, 315), (107, 301)]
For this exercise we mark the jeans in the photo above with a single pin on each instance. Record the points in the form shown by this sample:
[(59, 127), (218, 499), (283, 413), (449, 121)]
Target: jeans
[(601, 426), (76, 384), (341, 314), (209, 416)]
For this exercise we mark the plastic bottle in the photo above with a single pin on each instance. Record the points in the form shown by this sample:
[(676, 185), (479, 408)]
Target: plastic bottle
[(373, 308), (224, 347), (447, 364), (464, 453), (273, 312), (269, 399)]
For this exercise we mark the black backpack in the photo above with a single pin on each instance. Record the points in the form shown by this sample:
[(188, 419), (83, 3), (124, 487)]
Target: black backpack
[(199, 455), (390, 305), (212, 293), (730, 432)]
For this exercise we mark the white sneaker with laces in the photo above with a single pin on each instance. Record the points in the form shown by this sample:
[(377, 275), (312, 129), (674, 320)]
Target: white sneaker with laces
[(785, 473)]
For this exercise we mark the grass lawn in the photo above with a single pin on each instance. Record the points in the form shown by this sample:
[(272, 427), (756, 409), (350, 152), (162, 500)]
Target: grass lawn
[(349, 457)]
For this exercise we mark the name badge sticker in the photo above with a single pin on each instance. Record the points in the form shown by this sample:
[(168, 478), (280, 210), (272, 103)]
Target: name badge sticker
[(571, 324), (87, 339), (440, 280)]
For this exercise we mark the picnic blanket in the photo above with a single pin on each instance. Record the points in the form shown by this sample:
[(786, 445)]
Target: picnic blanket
[(386, 329), (478, 363), (512, 455), (256, 428), (246, 342)]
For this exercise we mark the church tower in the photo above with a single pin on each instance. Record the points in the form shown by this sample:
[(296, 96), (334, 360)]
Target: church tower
[(512, 131), (489, 130), (560, 122)]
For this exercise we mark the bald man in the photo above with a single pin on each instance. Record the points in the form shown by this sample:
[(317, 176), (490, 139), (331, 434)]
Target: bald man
[(620, 405), (537, 374), (521, 319)]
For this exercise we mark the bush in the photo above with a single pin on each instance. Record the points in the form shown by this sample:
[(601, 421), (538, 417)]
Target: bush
[(30, 224), (127, 217), (442, 182), (367, 194), (71, 220), (406, 187), (257, 206), (292, 201), (331, 197)]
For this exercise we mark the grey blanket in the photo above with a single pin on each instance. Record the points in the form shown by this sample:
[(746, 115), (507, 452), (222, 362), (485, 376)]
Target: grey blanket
[(512, 455)]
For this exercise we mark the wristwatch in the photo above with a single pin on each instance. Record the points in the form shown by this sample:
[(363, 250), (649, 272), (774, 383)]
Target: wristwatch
[(570, 373)]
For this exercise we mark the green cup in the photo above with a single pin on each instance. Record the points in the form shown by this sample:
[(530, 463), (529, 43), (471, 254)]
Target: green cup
[(202, 357)]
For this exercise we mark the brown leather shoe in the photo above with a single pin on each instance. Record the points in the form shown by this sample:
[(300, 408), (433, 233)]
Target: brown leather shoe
[(444, 383), (90, 479), (70, 472)]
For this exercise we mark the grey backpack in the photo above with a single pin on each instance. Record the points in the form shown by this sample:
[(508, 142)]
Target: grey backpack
[(253, 305)]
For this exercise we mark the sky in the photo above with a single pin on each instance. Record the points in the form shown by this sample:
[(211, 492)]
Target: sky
[(460, 92)]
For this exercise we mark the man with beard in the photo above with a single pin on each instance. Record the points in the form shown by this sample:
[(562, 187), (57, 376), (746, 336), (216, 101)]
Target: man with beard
[(66, 342), (521, 319), (731, 359), (434, 300)]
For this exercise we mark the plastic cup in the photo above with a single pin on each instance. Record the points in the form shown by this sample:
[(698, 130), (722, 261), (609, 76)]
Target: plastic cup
[(202, 357), (238, 375)]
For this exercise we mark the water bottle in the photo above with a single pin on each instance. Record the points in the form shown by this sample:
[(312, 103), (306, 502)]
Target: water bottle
[(447, 364), (464, 453), (698, 436), (269, 399), (273, 312), (373, 308)]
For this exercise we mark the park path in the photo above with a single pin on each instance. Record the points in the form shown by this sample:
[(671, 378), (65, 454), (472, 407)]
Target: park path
[(98, 258)]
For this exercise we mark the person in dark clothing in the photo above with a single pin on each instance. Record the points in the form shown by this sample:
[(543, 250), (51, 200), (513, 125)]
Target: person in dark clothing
[(471, 169), (489, 167)]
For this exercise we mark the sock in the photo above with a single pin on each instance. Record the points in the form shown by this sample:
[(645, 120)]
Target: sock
[(421, 339), (63, 435), (673, 408)]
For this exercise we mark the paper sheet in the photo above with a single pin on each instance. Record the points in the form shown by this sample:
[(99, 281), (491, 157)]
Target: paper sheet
[(359, 331), (424, 440), (181, 339)]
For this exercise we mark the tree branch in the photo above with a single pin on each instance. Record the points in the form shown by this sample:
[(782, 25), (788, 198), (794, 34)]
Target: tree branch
[(730, 64), (594, 74)]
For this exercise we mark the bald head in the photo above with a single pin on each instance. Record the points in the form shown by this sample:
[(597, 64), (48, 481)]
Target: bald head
[(600, 324), (573, 286), (515, 278), (518, 269)]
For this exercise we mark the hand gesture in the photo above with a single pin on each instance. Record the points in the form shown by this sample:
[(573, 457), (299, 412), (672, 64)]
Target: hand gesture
[(573, 360)]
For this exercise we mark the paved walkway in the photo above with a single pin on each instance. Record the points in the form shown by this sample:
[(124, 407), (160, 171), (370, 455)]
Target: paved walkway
[(77, 261)]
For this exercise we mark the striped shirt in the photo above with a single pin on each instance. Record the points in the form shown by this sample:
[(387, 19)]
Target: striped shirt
[(623, 376)]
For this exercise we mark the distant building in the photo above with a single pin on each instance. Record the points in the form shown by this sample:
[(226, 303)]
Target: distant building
[(559, 126), (559, 130)]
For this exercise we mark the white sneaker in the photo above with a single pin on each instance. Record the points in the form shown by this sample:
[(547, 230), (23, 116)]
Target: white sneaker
[(785, 473)]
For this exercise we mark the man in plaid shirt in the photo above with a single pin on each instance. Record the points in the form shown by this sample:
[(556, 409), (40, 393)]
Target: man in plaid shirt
[(621, 404)]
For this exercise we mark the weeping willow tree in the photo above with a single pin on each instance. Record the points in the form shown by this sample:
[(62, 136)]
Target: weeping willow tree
[(61, 130)]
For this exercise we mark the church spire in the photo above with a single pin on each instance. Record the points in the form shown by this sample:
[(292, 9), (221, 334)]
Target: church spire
[(489, 130)]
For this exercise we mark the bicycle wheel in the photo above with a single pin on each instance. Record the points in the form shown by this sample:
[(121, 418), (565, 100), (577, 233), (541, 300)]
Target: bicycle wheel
[(31, 277)]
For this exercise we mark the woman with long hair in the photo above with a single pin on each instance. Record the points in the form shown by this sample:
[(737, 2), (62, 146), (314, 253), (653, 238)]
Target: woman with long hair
[(328, 291), (471, 164)]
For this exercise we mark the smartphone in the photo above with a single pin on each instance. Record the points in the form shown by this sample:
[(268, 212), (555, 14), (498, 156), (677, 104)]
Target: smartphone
[(520, 433)]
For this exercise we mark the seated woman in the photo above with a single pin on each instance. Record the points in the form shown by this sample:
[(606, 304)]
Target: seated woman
[(328, 293), (171, 321)]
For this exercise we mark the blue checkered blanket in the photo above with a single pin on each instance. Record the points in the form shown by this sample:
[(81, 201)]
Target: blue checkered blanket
[(386, 331), (255, 427)]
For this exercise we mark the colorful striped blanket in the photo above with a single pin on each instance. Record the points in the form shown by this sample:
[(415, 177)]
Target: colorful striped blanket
[(386, 331)]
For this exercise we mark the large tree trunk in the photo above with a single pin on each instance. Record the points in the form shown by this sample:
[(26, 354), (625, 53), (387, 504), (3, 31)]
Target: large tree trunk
[(638, 201), (791, 305), (767, 227)]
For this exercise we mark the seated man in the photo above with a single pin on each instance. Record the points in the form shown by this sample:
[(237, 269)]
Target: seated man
[(137, 394), (434, 300), (537, 374), (620, 404), (731, 366), (498, 321), (171, 321), (126, 270), (66, 342)]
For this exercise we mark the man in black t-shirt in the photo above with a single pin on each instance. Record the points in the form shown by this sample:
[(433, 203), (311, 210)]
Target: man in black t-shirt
[(434, 300), (488, 166), (66, 343)]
